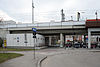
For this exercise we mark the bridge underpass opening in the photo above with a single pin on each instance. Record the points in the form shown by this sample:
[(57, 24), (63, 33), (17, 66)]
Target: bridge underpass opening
[(52, 41), (72, 39), (55, 40), (77, 38)]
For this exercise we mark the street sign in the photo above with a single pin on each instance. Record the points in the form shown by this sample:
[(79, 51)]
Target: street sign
[(34, 29), (34, 32), (5, 45)]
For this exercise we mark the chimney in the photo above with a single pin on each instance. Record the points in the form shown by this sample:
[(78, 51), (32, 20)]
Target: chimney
[(78, 16), (62, 16), (71, 18)]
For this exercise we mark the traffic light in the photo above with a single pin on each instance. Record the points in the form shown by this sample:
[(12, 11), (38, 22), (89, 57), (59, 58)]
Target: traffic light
[(34, 34)]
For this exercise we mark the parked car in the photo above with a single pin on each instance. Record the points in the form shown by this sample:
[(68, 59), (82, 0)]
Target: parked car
[(99, 45), (84, 45), (93, 45), (68, 44), (77, 45)]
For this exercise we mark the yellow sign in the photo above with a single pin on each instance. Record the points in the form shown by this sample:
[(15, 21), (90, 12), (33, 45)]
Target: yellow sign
[(5, 43)]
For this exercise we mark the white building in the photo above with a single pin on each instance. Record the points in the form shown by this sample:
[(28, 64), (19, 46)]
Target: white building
[(3, 28), (24, 40)]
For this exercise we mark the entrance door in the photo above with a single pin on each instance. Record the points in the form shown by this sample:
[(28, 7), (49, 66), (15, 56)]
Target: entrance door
[(47, 41)]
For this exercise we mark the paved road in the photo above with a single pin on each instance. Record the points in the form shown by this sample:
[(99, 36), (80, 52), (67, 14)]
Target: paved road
[(73, 58), (57, 57)]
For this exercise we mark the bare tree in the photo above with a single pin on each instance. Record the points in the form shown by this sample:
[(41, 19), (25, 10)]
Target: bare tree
[(1, 19)]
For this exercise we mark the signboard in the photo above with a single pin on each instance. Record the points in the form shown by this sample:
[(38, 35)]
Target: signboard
[(34, 32), (5, 43), (34, 29)]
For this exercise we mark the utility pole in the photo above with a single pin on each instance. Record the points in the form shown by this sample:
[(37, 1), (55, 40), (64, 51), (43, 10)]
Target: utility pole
[(34, 37), (73, 36), (96, 15), (34, 29), (32, 12)]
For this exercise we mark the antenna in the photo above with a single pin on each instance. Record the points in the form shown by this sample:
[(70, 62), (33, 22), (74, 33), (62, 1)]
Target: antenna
[(62, 16), (32, 12)]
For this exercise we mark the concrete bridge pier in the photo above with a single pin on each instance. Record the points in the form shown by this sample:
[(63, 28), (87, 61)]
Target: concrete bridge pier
[(50, 40), (89, 39), (61, 39)]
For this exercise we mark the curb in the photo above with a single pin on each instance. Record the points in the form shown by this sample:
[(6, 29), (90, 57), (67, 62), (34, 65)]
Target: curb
[(39, 62)]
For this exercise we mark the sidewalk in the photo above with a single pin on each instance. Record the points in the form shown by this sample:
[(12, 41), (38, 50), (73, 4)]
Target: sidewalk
[(25, 61)]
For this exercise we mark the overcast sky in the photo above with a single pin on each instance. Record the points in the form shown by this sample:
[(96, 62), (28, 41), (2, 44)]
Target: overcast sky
[(47, 10)]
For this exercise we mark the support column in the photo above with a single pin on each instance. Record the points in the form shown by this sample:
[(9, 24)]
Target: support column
[(50, 40), (62, 40), (84, 38), (89, 38)]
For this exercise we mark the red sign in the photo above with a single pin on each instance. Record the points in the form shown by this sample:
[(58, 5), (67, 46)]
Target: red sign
[(93, 20)]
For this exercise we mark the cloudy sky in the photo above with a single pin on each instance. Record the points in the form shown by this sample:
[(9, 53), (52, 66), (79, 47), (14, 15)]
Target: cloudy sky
[(48, 10)]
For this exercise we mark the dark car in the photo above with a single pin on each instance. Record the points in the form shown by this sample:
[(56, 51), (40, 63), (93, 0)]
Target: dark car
[(84, 45), (93, 45), (68, 44), (77, 45), (99, 45)]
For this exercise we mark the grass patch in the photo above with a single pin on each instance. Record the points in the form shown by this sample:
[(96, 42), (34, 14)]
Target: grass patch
[(11, 49), (7, 56)]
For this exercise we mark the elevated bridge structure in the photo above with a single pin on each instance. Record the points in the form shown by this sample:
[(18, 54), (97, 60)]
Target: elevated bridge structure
[(50, 29), (54, 31)]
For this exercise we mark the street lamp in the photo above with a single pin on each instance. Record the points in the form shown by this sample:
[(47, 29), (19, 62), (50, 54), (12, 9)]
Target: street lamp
[(33, 29), (96, 15), (32, 12)]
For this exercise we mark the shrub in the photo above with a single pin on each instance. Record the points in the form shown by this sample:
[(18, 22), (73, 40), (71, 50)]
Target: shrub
[(1, 42)]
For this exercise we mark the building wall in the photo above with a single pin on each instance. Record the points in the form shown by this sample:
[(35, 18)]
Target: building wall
[(7, 22), (24, 40), (3, 33), (4, 29)]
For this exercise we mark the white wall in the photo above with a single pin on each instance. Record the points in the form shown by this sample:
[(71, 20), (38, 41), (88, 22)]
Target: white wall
[(19, 40), (3, 33)]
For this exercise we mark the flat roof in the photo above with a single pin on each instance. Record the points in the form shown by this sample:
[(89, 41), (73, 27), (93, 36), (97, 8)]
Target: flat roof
[(93, 23)]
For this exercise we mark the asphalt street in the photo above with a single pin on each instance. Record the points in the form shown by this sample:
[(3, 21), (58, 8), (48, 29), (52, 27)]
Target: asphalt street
[(56, 57), (73, 58)]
